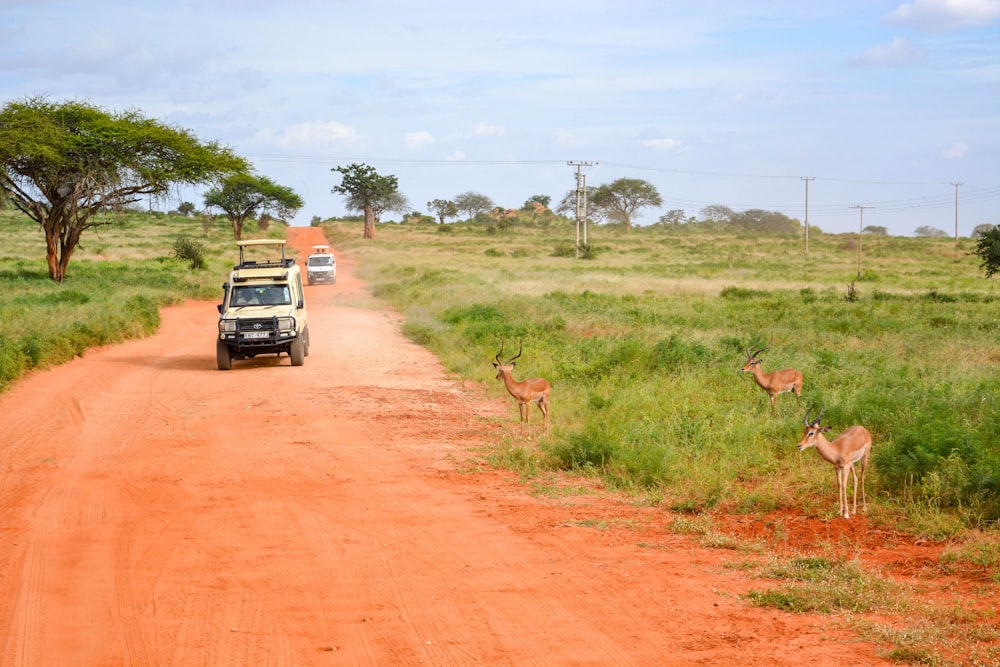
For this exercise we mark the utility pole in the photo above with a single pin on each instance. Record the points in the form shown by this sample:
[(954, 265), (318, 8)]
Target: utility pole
[(807, 179), (861, 226), (580, 198), (956, 209)]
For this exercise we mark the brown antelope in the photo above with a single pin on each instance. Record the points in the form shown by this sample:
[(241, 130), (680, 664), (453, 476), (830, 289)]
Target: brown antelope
[(535, 390), (850, 447), (778, 382)]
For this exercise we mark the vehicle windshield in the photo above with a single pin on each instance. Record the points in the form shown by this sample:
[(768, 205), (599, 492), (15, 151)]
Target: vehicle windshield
[(324, 260), (261, 295)]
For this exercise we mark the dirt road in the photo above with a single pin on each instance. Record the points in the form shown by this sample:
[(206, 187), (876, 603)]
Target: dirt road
[(156, 511)]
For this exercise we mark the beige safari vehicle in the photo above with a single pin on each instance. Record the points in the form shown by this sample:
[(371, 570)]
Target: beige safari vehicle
[(263, 309)]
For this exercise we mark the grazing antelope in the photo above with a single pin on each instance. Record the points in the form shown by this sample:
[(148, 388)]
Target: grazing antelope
[(850, 447), (778, 382), (535, 390)]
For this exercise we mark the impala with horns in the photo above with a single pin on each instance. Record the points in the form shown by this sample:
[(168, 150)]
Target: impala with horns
[(775, 383), (849, 448), (526, 392)]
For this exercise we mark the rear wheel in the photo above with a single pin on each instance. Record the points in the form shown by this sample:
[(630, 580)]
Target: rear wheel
[(297, 351), (222, 356)]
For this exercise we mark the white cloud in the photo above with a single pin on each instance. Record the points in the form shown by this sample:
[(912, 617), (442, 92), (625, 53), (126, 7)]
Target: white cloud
[(487, 131), (900, 51), (956, 151), (419, 140), (310, 136), (666, 145), (943, 15)]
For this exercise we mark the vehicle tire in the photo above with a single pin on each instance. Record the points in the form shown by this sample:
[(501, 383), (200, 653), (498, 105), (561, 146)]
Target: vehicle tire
[(305, 338), (309, 281), (222, 356), (297, 352), (334, 281)]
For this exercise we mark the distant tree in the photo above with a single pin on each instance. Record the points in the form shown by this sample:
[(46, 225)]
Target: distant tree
[(186, 209), (927, 231), (64, 163), (473, 203), (982, 230), (567, 205), (243, 196), (875, 230), (988, 250), (621, 200), (529, 205), (717, 213), (365, 190), (761, 221), (394, 201), (443, 209), (673, 217)]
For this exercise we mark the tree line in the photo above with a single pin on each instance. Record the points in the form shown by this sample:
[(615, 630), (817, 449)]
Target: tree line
[(68, 165)]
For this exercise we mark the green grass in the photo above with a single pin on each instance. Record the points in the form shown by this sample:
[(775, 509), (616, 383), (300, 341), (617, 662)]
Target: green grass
[(643, 344)]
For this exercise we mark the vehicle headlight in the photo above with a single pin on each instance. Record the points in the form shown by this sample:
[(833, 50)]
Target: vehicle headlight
[(286, 323), (227, 326)]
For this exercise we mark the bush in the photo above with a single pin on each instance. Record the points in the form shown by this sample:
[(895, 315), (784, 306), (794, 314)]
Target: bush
[(191, 251)]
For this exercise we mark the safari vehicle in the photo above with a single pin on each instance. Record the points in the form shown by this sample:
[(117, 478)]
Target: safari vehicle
[(321, 267), (263, 309)]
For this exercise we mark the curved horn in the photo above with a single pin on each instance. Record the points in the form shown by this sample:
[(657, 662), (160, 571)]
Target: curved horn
[(521, 349), (805, 420), (499, 353), (819, 416)]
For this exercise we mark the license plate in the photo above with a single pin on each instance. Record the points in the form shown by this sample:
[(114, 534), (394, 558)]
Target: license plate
[(255, 334)]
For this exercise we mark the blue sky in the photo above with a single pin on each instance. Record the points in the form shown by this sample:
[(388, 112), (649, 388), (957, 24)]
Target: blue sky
[(883, 104)]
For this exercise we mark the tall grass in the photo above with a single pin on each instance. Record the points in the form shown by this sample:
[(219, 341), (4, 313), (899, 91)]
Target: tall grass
[(643, 342)]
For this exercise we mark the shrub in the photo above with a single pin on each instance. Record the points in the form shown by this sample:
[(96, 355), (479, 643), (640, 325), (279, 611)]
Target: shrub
[(190, 251)]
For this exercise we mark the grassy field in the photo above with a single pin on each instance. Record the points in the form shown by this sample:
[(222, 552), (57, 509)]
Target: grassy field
[(643, 343)]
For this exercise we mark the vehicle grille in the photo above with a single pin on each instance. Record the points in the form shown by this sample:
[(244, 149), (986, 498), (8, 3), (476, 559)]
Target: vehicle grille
[(257, 324)]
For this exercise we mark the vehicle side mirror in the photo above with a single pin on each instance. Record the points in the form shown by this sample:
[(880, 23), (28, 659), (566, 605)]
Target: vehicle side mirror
[(301, 304)]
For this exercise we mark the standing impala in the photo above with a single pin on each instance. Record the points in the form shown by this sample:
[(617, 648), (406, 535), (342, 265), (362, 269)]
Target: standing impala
[(535, 390), (778, 382), (850, 447)]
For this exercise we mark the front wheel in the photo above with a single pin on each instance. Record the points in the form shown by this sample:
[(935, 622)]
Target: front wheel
[(223, 357), (297, 351)]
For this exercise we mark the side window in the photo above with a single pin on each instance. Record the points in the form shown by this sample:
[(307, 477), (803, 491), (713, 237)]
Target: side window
[(298, 296)]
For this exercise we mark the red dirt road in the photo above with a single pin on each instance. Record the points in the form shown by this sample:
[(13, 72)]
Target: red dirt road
[(156, 511)]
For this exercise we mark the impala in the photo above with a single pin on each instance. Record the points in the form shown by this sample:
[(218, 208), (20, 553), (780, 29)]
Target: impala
[(850, 447), (778, 382), (526, 392)]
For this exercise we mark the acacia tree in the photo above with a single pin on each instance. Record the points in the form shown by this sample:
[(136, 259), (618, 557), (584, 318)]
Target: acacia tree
[(443, 208), (63, 163), (621, 200), (365, 188), (242, 196), (988, 250), (473, 203)]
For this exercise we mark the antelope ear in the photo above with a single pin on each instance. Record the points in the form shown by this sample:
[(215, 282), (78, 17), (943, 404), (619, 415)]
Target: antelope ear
[(496, 365), (825, 429)]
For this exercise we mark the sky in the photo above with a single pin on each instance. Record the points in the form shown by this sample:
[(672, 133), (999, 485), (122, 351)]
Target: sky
[(891, 106)]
